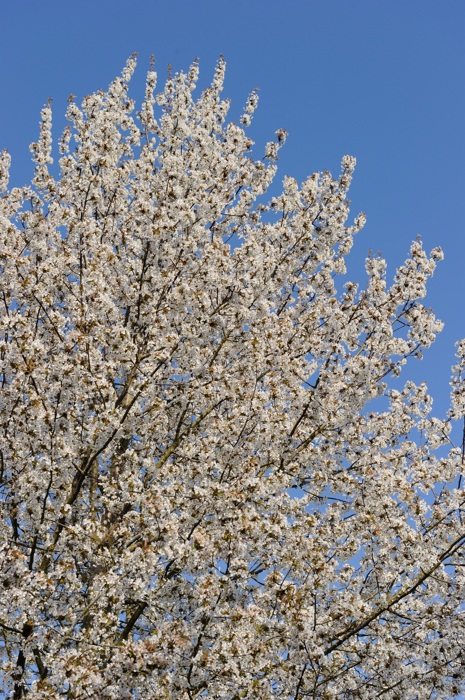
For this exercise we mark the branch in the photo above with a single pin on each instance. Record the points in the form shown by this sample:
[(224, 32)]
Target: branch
[(131, 622), (350, 631)]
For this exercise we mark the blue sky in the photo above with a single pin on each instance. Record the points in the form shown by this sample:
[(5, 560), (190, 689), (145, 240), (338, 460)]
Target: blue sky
[(383, 81)]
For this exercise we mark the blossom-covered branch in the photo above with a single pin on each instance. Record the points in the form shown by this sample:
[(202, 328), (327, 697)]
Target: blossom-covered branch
[(209, 485)]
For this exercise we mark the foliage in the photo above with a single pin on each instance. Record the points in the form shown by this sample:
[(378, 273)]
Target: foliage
[(209, 486)]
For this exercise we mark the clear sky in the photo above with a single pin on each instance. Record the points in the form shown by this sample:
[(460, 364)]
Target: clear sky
[(379, 79)]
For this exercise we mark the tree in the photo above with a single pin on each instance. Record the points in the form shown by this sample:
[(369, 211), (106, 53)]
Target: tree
[(210, 486)]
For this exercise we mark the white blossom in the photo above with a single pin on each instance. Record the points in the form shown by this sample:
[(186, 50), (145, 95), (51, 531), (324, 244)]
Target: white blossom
[(209, 487)]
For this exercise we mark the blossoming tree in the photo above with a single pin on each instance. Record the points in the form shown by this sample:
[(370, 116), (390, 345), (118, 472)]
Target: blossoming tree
[(209, 486)]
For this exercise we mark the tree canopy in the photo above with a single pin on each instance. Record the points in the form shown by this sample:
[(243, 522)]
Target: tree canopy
[(210, 487)]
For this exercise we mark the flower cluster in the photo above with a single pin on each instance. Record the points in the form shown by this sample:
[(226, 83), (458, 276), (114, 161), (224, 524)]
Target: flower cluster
[(208, 488)]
